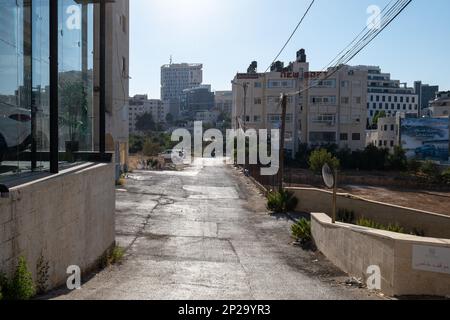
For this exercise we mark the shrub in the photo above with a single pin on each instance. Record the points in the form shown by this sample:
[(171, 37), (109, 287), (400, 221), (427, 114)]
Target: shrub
[(445, 176), (321, 157), (281, 202), (346, 216), (374, 225), (302, 231), (3, 286), (42, 270), (21, 286), (431, 171), (398, 160), (111, 257), (414, 165)]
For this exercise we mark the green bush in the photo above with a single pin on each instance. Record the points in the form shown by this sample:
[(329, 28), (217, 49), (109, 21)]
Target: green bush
[(414, 165), (281, 202), (21, 286), (445, 176), (113, 256), (430, 169), (346, 216), (398, 160), (302, 230), (363, 222), (321, 157)]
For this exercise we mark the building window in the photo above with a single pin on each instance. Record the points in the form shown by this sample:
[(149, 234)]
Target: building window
[(327, 119), (258, 85), (344, 136), (323, 100), (25, 87), (345, 100), (317, 138), (356, 136), (258, 101)]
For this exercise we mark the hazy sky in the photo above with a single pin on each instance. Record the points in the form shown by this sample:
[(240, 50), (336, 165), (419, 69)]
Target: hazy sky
[(226, 35)]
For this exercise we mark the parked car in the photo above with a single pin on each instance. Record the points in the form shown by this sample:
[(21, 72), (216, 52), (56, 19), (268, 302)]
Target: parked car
[(15, 129), (167, 155)]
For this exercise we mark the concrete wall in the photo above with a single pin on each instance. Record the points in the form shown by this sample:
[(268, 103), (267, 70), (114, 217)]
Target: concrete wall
[(432, 224), (353, 249), (67, 218)]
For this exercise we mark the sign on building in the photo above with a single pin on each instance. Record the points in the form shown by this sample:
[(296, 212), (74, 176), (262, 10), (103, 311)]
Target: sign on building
[(426, 138)]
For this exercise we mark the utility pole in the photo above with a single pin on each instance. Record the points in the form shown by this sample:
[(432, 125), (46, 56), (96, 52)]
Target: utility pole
[(282, 139), (245, 86)]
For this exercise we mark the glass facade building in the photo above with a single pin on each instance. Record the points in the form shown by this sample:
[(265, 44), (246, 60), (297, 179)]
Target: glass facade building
[(50, 99)]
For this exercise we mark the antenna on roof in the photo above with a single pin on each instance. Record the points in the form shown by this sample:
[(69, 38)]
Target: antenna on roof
[(171, 59)]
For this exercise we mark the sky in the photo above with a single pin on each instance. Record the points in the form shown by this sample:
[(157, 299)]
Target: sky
[(226, 35)]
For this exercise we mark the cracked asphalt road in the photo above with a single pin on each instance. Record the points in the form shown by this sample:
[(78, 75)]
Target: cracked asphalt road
[(204, 233)]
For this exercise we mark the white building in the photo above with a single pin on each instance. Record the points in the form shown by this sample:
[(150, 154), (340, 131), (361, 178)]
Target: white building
[(387, 134), (333, 111), (140, 104), (440, 107), (177, 77), (390, 96)]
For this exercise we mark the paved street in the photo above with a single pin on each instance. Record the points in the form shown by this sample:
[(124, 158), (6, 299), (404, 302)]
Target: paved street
[(203, 233)]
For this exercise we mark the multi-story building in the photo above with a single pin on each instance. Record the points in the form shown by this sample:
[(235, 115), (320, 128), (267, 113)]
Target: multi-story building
[(140, 104), (426, 93), (207, 117), (224, 101), (178, 77), (196, 99), (336, 108), (387, 134), (440, 106), (63, 131), (331, 111), (387, 95), (117, 84)]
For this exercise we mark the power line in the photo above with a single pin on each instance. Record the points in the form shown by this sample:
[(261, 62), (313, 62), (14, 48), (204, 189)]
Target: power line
[(392, 14), (293, 33), (356, 38)]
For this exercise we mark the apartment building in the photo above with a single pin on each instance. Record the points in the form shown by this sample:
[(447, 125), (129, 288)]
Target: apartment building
[(141, 104), (387, 134), (387, 95), (197, 99), (175, 78), (330, 111), (64, 127), (440, 106), (426, 93), (223, 101), (336, 108)]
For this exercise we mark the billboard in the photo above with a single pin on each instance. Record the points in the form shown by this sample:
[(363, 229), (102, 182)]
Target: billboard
[(426, 138)]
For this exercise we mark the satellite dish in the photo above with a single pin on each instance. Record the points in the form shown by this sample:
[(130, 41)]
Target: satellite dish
[(328, 176)]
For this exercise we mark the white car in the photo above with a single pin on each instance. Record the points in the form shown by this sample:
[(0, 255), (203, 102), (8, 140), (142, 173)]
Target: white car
[(15, 128), (167, 155)]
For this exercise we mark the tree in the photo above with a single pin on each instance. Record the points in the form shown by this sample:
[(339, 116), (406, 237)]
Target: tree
[(377, 117), (170, 119), (398, 160), (321, 157), (146, 123), (151, 148)]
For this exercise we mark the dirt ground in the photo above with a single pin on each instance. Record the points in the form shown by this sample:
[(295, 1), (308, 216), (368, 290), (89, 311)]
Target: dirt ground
[(437, 202), (431, 201)]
